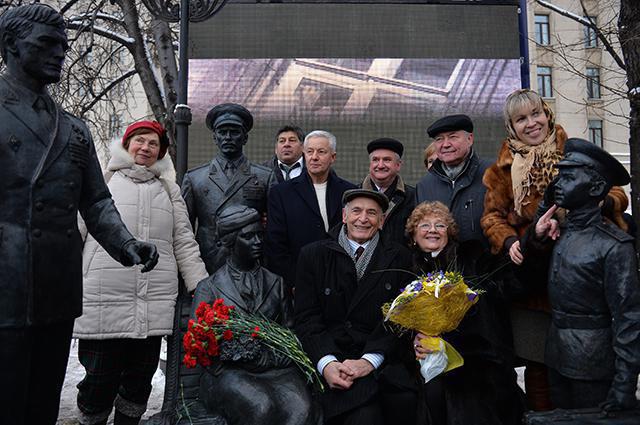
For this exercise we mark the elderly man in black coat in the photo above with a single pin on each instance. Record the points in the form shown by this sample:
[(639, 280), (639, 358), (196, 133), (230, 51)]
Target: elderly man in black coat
[(385, 162), (593, 344), (302, 210), (49, 173), (341, 285), (229, 179)]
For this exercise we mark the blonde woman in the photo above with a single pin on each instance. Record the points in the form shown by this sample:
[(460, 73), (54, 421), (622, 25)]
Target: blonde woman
[(516, 185)]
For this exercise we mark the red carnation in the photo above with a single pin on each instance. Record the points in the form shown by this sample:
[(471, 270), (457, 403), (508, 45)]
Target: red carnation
[(227, 335)]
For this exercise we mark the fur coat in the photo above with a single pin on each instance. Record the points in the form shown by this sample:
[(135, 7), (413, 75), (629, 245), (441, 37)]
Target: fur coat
[(500, 221)]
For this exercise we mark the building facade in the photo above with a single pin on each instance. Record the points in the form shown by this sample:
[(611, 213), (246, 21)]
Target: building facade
[(576, 75)]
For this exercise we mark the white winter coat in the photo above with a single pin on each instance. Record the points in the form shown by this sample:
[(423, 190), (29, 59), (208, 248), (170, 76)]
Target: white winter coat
[(122, 302)]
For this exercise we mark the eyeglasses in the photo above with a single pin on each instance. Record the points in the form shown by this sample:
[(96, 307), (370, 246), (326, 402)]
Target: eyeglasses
[(426, 227)]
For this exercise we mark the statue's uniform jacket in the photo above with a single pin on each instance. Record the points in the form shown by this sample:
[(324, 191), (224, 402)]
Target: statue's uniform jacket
[(595, 300), (207, 191), (43, 186)]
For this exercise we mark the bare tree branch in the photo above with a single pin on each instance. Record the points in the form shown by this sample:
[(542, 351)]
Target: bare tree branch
[(587, 23), (106, 90)]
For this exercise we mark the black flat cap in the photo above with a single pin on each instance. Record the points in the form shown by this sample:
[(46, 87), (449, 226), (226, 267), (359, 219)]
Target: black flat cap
[(582, 153), (386, 143), (229, 113), (450, 123), (379, 197)]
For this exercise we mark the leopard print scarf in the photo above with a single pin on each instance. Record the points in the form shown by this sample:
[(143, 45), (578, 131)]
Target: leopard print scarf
[(532, 168)]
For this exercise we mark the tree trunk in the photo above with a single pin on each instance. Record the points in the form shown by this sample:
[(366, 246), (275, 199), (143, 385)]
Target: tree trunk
[(169, 73), (629, 34), (141, 59)]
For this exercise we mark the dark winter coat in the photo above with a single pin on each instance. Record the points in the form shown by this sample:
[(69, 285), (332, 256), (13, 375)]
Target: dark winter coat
[(484, 390), (595, 299), (337, 314), (294, 220), (464, 196), (207, 191), (46, 180)]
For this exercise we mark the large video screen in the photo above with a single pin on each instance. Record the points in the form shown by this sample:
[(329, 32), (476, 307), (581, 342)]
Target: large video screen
[(359, 71)]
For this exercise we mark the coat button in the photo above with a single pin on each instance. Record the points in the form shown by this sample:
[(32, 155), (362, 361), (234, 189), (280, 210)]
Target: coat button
[(37, 233), (348, 324), (387, 286), (39, 183), (69, 233), (327, 291), (72, 185), (39, 206), (70, 207)]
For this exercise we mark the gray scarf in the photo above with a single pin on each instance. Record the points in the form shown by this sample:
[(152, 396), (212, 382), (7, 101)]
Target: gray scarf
[(363, 261)]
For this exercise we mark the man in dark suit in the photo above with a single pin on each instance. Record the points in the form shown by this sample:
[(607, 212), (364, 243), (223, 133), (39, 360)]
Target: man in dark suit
[(385, 162), (49, 172), (227, 180), (341, 284), (303, 209), (288, 161)]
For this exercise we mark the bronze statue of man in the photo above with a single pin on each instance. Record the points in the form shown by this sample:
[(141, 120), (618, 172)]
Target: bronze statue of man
[(227, 180), (49, 172), (264, 388)]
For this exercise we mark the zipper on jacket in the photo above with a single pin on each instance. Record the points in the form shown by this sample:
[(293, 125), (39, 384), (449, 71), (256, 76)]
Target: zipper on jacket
[(469, 206)]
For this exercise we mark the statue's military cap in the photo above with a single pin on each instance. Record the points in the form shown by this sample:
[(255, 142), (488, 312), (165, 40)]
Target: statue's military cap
[(450, 123), (229, 113), (582, 153), (386, 143), (379, 197)]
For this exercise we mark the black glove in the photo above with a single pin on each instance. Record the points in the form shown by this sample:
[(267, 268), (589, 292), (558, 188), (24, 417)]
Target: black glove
[(619, 400), (138, 252)]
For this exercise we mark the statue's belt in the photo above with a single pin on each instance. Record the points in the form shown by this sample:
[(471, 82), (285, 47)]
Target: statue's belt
[(580, 321)]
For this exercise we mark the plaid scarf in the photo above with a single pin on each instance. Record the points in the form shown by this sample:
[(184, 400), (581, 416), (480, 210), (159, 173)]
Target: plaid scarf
[(363, 261)]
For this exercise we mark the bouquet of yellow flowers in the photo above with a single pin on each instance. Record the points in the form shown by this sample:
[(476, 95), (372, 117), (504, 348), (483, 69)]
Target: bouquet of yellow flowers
[(433, 304)]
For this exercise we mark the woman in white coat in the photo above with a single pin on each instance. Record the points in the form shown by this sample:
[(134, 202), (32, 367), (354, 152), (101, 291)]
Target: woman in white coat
[(126, 312)]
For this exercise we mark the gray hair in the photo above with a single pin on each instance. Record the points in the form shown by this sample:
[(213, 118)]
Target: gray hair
[(324, 134), (396, 156)]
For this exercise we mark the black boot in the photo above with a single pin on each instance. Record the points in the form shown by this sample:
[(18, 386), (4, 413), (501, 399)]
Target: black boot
[(122, 419)]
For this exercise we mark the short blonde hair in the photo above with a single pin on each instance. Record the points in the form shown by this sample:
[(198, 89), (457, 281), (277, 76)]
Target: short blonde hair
[(428, 151), (520, 99), (426, 209)]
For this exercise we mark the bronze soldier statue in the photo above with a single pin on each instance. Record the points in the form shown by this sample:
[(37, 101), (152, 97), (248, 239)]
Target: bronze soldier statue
[(228, 179), (49, 173), (593, 344)]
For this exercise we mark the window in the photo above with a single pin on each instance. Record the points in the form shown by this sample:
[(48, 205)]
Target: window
[(593, 83), (590, 37), (545, 88), (115, 125), (595, 132), (542, 29)]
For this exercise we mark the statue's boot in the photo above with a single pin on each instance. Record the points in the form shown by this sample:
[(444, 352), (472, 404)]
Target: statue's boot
[(122, 419)]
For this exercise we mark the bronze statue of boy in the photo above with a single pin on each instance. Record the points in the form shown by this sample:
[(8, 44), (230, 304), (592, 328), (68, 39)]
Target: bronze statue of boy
[(593, 344)]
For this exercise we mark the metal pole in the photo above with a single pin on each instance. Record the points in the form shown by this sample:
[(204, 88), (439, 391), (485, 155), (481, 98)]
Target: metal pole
[(524, 45), (182, 112)]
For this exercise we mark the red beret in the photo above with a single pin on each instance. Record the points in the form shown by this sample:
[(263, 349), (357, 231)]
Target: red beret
[(154, 126)]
